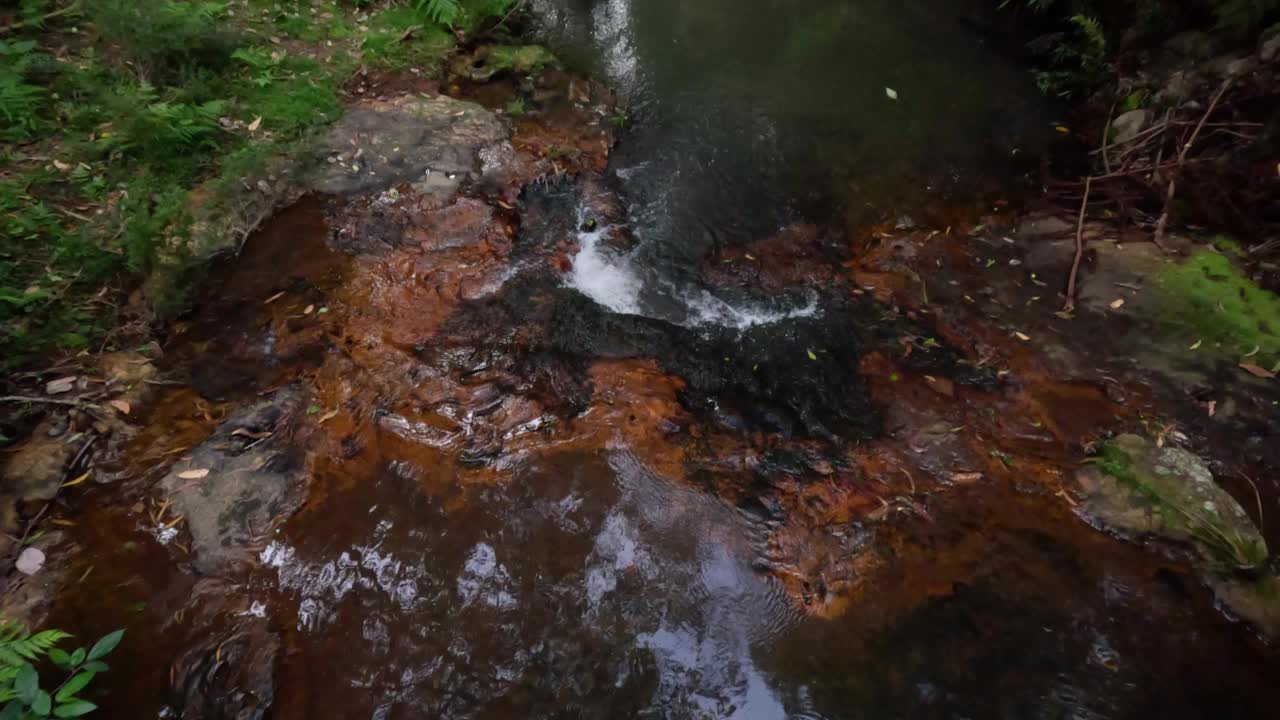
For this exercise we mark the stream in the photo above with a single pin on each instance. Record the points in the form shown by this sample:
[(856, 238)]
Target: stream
[(629, 442)]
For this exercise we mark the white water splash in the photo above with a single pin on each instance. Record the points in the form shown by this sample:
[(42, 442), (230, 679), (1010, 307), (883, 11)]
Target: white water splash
[(611, 279), (606, 277), (707, 309)]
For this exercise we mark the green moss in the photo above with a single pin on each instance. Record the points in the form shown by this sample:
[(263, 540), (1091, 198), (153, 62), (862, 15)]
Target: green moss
[(401, 37), (1227, 246), (519, 58), (1208, 295)]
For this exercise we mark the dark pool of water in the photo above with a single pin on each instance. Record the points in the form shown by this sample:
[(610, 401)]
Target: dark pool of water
[(744, 116)]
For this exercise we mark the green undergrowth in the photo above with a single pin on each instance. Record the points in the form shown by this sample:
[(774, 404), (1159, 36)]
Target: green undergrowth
[(1225, 547), (1226, 309), (113, 111)]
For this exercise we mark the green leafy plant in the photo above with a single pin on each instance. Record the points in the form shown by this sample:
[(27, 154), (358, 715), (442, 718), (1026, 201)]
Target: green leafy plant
[(20, 101), (444, 12), (20, 683)]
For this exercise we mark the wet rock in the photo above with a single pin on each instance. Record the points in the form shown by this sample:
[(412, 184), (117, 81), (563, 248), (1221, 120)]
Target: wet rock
[(1168, 493), (1142, 490), (229, 669), (1256, 601), (238, 483), (433, 143), (31, 476), (1129, 124)]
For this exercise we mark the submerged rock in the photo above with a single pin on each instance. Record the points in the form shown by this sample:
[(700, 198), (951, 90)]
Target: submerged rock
[(431, 142), (238, 483), (229, 671)]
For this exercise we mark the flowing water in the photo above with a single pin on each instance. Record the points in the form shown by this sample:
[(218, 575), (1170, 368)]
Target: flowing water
[(661, 506), (745, 117)]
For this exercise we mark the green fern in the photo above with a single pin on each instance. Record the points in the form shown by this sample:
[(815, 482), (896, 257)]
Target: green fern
[(442, 12), (20, 691)]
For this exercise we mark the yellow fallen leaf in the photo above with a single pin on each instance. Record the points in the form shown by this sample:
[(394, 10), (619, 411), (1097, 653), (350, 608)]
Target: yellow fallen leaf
[(811, 355), (1021, 336), (329, 415), (193, 474), (77, 481), (1197, 345), (63, 523), (1117, 303), (256, 122), (308, 309), (273, 298), (1062, 129), (121, 405)]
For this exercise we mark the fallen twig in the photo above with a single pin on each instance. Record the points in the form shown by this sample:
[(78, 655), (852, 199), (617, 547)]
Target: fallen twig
[(1075, 264), (44, 400)]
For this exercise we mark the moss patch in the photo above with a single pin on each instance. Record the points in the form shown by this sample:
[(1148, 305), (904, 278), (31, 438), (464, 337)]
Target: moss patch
[(1208, 295), (519, 58)]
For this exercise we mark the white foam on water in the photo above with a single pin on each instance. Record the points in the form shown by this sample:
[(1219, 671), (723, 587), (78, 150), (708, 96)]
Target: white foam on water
[(707, 309), (604, 276)]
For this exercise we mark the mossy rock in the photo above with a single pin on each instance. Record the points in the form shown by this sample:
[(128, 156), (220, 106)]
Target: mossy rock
[(488, 62), (1139, 489), (1208, 296)]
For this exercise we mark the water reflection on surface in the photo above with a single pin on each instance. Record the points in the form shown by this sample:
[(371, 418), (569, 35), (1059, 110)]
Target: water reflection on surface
[(579, 583)]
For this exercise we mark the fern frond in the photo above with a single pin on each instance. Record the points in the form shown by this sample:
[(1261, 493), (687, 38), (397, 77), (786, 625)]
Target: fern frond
[(48, 638)]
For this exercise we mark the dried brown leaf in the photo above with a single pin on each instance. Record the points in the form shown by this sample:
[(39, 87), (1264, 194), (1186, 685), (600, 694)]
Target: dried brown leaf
[(1257, 371), (246, 433), (121, 405)]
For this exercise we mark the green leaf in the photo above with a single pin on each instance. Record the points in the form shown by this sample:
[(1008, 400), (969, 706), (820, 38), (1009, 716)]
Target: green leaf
[(77, 657), (12, 711), (74, 709), (48, 638), (811, 355), (68, 691), (103, 647), (96, 666), (27, 683), (42, 704), (60, 657)]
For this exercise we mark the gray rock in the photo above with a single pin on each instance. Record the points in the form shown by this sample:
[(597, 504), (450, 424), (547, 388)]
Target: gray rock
[(1269, 44), (1128, 125), (433, 143), (1144, 491), (1169, 493), (1039, 226), (250, 485)]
